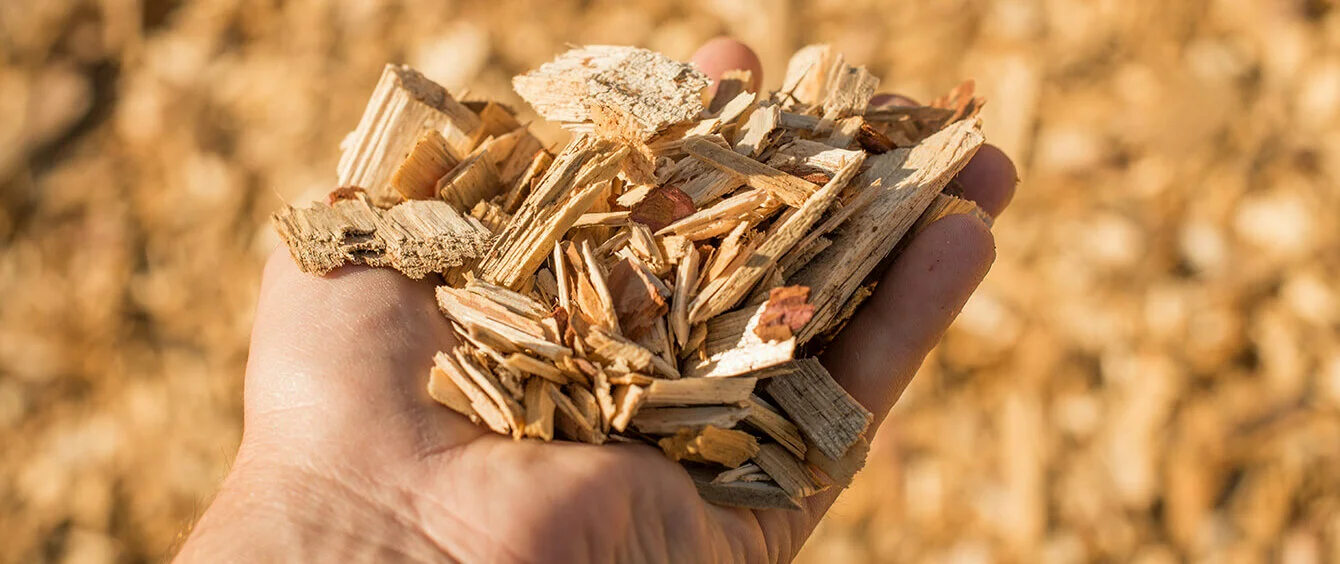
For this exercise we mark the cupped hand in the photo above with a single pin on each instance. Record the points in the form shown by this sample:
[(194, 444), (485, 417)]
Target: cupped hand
[(345, 457)]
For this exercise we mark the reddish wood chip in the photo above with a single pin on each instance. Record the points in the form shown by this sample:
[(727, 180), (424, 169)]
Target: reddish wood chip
[(636, 301), (344, 193), (661, 207), (786, 312), (873, 140)]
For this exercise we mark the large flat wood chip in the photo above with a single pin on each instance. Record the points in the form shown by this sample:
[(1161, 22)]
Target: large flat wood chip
[(624, 92), (416, 237), (825, 413)]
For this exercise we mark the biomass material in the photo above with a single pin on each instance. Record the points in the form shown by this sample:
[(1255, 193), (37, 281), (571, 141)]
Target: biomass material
[(659, 278)]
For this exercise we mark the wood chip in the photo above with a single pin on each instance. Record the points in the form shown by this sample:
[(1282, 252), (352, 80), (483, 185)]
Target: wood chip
[(789, 189), (786, 236), (699, 391), (670, 420), (907, 181), (750, 495), (789, 472), (430, 159), (726, 447), (840, 472), (825, 413), (539, 410), (416, 237), (637, 301), (733, 348), (624, 92), (771, 422), (404, 106), (568, 189)]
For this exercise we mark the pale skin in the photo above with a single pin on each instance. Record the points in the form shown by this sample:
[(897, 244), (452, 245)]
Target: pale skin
[(345, 457)]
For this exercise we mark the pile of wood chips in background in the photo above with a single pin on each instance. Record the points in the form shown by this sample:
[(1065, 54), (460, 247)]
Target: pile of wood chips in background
[(1150, 373), (667, 276)]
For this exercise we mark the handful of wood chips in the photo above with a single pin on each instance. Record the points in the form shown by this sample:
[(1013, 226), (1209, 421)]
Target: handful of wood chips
[(668, 275)]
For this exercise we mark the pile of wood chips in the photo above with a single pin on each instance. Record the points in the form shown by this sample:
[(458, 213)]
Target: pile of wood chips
[(667, 276)]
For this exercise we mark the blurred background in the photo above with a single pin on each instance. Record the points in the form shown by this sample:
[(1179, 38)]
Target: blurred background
[(1151, 373)]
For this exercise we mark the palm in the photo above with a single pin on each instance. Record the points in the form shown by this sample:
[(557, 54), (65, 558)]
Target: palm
[(356, 413)]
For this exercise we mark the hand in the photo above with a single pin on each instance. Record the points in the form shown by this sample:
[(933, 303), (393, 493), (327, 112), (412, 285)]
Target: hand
[(345, 457)]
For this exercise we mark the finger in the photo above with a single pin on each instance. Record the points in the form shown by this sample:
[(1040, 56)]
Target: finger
[(876, 355), (989, 179), (346, 354), (722, 54)]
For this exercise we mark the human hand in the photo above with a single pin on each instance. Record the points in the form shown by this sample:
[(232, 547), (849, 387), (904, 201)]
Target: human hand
[(345, 457)]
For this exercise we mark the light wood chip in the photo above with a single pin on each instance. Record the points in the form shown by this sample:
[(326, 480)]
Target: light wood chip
[(416, 237), (791, 190), (907, 181), (539, 410), (430, 159), (781, 240), (625, 92), (700, 391), (404, 106), (765, 418), (789, 472), (670, 420), (727, 447)]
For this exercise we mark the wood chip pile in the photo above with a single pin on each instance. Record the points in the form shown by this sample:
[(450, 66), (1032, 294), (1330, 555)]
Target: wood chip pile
[(668, 275)]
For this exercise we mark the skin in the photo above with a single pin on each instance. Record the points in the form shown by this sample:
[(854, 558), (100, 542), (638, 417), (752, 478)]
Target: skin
[(344, 456)]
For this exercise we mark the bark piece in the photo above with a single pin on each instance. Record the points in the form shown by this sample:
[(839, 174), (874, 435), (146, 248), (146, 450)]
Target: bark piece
[(670, 420), (415, 237), (662, 206), (727, 447), (626, 92), (699, 391), (785, 313), (404, 106), (907, 181), (826, 414)]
